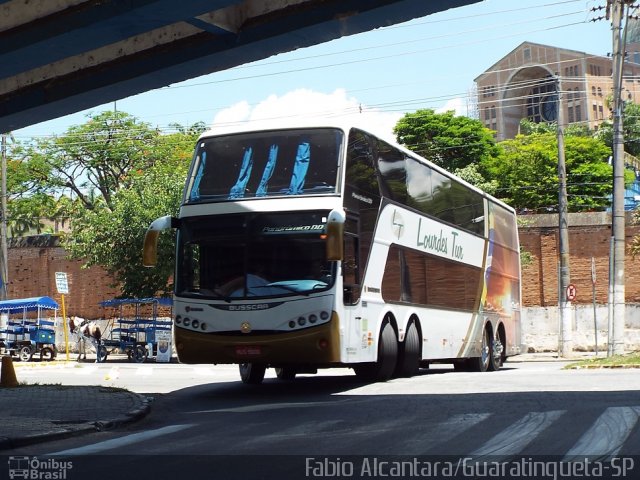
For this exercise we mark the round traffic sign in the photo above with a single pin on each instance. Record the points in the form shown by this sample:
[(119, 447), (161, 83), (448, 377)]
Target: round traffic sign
[(571, 291)]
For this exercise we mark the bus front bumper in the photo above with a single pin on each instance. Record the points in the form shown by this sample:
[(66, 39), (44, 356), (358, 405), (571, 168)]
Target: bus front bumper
[(316, 345)]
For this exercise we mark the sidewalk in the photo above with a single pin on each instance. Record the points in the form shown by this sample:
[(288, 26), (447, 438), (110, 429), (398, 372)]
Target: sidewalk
[(554, 357), (35, 413)]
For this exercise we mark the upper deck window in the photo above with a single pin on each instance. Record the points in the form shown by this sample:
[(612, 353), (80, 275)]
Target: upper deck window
[(265, 164)]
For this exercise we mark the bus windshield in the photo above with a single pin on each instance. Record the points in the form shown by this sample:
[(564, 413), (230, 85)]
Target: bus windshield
[(246, 256), (265, 164)]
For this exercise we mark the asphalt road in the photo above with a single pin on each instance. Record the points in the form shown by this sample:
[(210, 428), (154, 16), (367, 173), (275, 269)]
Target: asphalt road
[(319, 424)]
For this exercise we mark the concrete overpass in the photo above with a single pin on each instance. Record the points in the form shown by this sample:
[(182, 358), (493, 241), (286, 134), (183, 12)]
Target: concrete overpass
[(62, 56)]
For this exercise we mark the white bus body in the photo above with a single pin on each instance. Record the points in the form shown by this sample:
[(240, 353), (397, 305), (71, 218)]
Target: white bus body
[(421, 267)]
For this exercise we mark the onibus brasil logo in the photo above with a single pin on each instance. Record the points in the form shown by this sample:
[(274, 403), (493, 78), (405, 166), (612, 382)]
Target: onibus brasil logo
[(36, 469)]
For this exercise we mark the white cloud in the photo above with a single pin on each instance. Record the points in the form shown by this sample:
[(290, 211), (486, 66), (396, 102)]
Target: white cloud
[(235, 113), (458, 105), (304, 107)]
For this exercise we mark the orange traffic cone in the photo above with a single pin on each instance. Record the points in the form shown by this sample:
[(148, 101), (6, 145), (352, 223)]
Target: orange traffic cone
[(8, 373)]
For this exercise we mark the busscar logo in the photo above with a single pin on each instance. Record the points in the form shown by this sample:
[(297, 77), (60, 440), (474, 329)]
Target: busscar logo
[(247, 307), (33, 468)]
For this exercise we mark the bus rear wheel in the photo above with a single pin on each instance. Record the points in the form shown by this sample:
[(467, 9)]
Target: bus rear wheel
[(252, 373), (485, 361), (409, 354), (498, 355), (383, 369)]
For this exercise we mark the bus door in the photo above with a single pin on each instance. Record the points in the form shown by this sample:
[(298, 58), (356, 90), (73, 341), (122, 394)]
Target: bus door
[(352, 283)]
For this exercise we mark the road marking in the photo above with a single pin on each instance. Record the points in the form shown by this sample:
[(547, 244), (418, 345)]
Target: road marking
[(608, 433), (516, 437), (424, 441), (122, 441)]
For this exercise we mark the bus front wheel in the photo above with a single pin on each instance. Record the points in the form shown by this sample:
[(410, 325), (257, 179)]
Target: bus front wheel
[(252, 373), (383, 369)]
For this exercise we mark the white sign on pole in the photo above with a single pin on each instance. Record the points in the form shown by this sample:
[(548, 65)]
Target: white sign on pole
[(163, 337), (61, 283)]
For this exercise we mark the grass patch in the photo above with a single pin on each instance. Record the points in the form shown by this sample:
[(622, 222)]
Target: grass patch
[(630, 360), (112, 389)]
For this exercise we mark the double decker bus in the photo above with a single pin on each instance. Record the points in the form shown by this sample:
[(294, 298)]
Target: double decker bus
[(324, 246)]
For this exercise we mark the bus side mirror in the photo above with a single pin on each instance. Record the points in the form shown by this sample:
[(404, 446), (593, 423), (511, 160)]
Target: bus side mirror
[(335, 235), (150, 247)]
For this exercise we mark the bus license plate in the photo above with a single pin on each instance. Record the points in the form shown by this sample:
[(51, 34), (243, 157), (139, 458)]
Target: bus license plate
[(247, 351)]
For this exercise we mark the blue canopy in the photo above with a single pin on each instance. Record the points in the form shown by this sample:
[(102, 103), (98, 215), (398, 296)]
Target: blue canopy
[(28, 304), (165, 301)]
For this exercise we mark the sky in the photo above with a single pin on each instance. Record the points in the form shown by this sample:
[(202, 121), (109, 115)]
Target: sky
[(372, 78)]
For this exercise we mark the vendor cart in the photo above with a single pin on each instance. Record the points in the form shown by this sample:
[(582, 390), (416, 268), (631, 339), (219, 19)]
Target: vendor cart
[(132, 330), (24, 331)]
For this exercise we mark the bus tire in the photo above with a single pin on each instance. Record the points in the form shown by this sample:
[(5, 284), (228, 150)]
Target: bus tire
[(286, 374), (409, 353), (252, 373), (481, 363), (383, 369), (497, 353)]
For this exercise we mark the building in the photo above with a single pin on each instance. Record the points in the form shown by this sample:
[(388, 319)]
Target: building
[(525, 84)]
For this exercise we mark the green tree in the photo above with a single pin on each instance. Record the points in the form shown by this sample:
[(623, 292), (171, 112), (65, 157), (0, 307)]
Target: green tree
[(527, 172), (527, 127), (92, 160), (450, 141), (471, 173), (630, 129), (112, 235)]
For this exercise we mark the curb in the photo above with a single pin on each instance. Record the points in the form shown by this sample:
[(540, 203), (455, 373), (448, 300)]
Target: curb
[(129, 417), (87, 427), (13, 442), (599, 367)]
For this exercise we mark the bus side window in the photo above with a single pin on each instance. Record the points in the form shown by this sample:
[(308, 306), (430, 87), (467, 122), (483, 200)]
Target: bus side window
[(351, 270)]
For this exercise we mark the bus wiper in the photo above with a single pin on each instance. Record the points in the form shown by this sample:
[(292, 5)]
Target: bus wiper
[(213, 294), (283, 287)]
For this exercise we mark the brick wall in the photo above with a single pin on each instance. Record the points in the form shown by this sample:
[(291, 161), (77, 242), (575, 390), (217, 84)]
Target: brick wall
[(33, 262), (589, 236)]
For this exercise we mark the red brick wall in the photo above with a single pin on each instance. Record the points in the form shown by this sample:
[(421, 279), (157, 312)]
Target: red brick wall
[(540, 278), (33, 262)]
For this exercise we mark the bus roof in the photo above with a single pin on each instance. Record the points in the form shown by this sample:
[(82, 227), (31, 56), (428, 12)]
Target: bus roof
[(307, 122), (296, 123)]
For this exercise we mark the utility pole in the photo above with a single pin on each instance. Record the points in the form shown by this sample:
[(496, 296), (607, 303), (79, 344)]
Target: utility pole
[(4, 263), (616, 338), (566, 325)]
